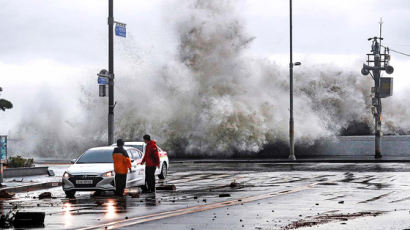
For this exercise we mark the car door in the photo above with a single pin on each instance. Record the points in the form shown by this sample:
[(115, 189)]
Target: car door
[(132, 177), (140, 168), (158, 170)]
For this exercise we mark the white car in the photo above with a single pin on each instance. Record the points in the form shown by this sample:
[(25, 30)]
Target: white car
[(94, 171), (163, 157)]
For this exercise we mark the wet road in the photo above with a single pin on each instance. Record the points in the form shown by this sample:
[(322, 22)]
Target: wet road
[(266, 196)]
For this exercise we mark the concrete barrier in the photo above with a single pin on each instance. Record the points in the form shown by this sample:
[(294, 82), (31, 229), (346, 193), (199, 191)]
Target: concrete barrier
[(391, 146), (343, 149), (31, 187), (22, 172)]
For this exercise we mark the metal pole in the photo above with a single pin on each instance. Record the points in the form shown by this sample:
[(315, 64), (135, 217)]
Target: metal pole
[(377, 117), (291, 122), (1, 172), (111, 72), (3, 149)]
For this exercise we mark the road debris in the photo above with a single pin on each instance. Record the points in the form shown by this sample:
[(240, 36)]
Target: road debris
[(170, 187), (224, 195), (328, 183), (234, 184), (44, 195), (28, 219), (99, 203), (5, 194), (133, 194), (324, 219), (51, 172)]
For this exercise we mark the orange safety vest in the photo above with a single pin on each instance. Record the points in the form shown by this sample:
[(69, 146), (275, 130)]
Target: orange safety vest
[(121, 162)]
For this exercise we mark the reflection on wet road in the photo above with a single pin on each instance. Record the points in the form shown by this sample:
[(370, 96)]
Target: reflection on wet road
[(264, 196)]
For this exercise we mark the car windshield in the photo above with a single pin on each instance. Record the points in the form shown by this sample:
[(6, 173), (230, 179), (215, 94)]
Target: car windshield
[(96, 156)]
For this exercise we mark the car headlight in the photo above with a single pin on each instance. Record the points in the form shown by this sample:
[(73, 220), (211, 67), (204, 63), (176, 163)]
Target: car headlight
[(66, 175), (109, 174)]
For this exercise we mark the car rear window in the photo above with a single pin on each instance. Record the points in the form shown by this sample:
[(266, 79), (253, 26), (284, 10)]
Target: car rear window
[(139, 147), (96, 156), (135, 154)]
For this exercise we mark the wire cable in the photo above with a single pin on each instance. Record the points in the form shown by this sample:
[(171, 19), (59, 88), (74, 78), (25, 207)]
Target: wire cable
[(408, 55)]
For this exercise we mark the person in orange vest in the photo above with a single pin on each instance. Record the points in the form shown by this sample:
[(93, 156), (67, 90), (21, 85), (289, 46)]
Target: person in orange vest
[(122, 163), (151, 160)]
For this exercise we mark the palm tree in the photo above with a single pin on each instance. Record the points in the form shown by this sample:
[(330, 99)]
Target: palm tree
[(5, 104)]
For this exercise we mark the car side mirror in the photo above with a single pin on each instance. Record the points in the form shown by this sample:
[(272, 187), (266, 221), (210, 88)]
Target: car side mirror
[(73, 161)]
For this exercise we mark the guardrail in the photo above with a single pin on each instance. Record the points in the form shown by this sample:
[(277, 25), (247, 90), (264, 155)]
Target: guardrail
[(21, 172)]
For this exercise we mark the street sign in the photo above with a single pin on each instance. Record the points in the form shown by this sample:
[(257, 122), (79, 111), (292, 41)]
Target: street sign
[(3, 148), (103, 80), (120, 30), (386, 87)]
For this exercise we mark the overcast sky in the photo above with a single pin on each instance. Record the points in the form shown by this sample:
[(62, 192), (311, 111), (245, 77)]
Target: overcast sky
[(52, 44), (75, 31)]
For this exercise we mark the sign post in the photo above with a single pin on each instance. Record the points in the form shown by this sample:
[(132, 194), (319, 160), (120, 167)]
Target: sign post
[(106, 78), (3, 155)]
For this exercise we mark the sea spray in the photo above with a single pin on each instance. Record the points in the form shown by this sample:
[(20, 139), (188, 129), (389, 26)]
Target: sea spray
[(207, 98)]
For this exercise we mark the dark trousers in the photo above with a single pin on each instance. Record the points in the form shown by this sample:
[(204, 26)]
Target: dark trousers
[(120, 183), (150, 178)]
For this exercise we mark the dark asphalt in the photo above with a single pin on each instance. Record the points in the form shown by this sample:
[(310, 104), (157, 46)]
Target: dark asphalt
[(268, 196)]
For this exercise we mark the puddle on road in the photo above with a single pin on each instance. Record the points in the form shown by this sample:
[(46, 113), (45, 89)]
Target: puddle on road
[(348, 177), (337, 197), (376, 198), (400, 200), (366, 181)]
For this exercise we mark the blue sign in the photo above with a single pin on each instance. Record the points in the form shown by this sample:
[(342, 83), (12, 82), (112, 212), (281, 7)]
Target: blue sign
[(103, 80), (120, 30), (3, 148)]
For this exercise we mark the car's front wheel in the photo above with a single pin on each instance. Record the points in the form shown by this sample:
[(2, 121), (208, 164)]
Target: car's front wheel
[(69, 194), (164, 172)]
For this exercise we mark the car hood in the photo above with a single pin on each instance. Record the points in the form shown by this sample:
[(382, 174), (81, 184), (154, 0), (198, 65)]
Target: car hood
[(90, 169)]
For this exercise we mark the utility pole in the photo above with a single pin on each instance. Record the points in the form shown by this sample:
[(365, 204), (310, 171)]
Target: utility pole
[(111, 72), (291, 64), (383, 86)]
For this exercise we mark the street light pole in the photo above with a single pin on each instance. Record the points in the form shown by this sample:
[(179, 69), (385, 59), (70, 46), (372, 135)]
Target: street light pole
[(111, 72), (291, 121)]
